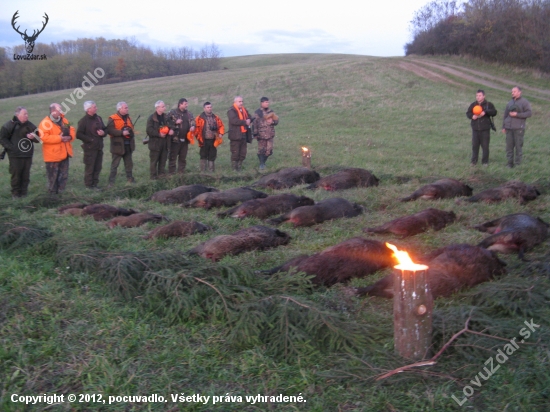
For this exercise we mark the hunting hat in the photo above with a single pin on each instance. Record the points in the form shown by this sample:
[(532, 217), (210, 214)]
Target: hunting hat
[(271, 115)]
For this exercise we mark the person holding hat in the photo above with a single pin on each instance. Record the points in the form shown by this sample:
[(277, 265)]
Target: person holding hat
[(182, 122), (480, 113), (120, 128), (159, 133), (265, 121), (57, 136), (517, 111), (209, 133)]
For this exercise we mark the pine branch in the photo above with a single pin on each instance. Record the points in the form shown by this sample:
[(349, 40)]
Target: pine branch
[(432, 361)]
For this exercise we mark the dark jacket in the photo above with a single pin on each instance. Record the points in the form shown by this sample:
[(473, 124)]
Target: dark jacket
[(188, 121), (13, 136), (235, 124), (522, 107), (262, 130), (118, 140), (481, 123), (87, 132), (154, 123)]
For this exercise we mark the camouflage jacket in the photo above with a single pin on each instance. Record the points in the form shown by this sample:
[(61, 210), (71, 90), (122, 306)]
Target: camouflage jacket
[(263, 130), (188, 121)]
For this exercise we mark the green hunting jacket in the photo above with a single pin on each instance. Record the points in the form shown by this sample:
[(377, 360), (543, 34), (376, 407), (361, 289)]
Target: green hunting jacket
[(13, 136), (522, 107)]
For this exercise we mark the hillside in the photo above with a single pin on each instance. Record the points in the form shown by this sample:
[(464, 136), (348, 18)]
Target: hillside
[(80, 327)]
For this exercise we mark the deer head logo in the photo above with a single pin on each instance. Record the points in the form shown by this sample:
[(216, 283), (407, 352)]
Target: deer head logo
[(29, 40)]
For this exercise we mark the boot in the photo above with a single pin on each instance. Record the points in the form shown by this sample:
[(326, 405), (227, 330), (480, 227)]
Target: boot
[(211, 167), (234, 166), (239, 165), (262, 161), (203, 165)]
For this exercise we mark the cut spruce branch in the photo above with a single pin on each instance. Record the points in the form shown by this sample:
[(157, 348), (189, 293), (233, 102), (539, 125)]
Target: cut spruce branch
[(433, 360), (250, 307)]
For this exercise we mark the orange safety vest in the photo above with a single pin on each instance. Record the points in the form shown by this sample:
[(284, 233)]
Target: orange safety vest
[(199, 126), (53, 149), (120, 123)]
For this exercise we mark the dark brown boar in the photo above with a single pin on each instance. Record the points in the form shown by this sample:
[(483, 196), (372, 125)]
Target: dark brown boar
[(251, 238), (419, 222), (328, 209), (135, 220), (289, 177), (441, 189), (179, 228), (346, 179), (449, 269), (268, 206), (513, 189), (353, 258), (229, 197), (518, 232), (104, 212), (180, 194)]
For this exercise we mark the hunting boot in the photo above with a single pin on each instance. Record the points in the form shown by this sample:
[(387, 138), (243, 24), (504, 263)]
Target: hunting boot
[(203, 165), (262, 161), (211, 167), (234, 165)]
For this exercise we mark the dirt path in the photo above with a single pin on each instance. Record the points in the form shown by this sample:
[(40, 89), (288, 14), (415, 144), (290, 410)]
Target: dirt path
[(420, 68), (499, 79), (426, 74)]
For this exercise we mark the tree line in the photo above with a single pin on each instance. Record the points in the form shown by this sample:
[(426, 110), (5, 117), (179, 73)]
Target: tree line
[(122, 60), (515, 32)]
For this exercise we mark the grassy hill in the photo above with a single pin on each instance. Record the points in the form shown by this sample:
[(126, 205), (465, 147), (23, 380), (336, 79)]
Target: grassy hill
[(71, 321)]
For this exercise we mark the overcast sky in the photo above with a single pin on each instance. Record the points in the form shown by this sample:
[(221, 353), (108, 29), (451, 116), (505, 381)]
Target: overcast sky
[(236, 27)]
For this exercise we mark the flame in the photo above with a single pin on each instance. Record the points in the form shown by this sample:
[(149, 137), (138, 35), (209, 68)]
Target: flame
[(405, 261)]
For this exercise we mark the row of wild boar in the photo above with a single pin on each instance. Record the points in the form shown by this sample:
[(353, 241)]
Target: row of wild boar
[(451, 268)]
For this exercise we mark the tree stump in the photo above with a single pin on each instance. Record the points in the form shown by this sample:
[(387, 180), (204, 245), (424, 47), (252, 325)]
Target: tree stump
[(412, 313)]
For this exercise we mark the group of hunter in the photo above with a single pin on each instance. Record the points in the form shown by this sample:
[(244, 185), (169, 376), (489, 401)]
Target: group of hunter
[(168, 138)]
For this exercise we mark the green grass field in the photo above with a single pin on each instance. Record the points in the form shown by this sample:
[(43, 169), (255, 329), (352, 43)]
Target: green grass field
[(88, 310)]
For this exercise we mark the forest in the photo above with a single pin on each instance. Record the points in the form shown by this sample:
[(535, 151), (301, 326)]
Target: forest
[(121, 59), (511, 32)]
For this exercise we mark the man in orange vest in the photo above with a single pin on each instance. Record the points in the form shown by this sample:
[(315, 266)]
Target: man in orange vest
[(57, 134), (209, 133), (121, 130), (239, 132)]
